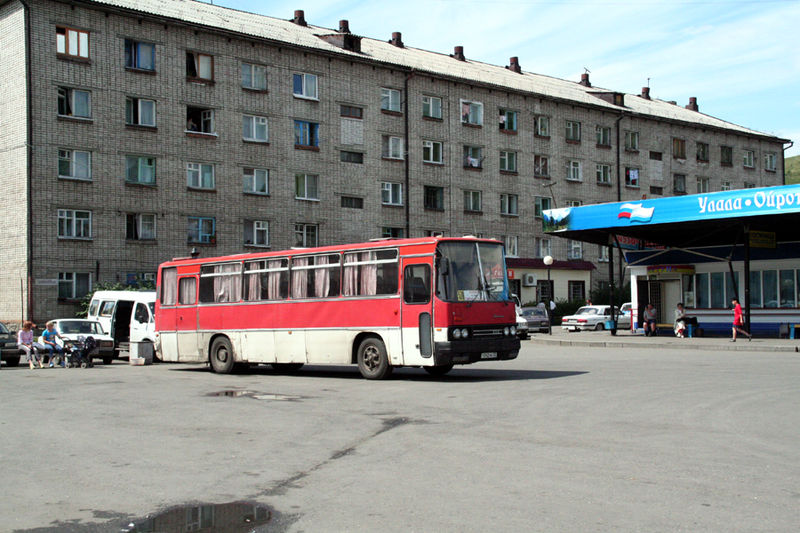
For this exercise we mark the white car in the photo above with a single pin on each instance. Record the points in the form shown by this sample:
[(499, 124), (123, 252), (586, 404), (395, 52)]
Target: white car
[(72, 328), (588, 317)]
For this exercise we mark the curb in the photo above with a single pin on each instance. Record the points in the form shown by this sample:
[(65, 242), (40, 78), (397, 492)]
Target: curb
[(740, 347)]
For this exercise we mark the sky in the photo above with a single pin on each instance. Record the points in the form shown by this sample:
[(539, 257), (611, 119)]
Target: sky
[(741, 59)]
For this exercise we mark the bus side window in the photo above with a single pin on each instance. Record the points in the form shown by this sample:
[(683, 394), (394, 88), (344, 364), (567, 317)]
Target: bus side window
[(93, 308), (169, 286), (187, 291), (141, 315), (416, 284), (107, 308)]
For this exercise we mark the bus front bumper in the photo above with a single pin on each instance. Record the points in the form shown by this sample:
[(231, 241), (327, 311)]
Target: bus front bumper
[(472, 350)]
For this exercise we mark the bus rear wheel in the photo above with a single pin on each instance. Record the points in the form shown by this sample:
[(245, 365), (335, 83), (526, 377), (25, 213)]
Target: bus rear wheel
[(373, 362), (221, 356), (440, 370)]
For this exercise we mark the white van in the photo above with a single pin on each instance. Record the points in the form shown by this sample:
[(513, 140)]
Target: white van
[(128, 316)]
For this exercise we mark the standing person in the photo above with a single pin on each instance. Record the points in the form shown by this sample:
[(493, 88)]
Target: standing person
[(49, 337), (649, 315), (26, 344), (738, 321), (680, 321)]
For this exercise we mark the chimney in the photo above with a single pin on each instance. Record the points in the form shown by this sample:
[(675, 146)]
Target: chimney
[(299, 17), (585, 80), (646, 93), (344, 26), (692, 104), (458, 53), (514, 65), (397, 39)]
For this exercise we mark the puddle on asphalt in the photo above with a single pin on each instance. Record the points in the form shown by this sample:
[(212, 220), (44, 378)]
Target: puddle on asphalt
[(229, 517), (257, 395)]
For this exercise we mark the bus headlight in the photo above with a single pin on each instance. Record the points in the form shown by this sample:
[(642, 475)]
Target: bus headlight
[(513, 330), (464, 333), (456, 333), (505, 331)]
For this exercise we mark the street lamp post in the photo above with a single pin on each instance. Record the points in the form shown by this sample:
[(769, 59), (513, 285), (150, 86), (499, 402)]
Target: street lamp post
[(548, 262)]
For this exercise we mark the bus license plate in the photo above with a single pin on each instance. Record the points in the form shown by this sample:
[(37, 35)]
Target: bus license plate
[(489, 355)]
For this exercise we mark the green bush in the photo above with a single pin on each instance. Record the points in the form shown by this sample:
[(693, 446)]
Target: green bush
[(566, 308)]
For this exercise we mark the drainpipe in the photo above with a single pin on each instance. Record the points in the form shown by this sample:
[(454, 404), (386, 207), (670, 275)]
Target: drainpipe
[(406, 163), (29, 150)]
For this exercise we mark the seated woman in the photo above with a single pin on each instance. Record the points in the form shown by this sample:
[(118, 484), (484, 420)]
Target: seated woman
[(649, 316), (26, 344), (680, 321)]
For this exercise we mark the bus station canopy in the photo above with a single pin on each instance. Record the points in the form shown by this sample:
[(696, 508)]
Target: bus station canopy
[(771, 214)]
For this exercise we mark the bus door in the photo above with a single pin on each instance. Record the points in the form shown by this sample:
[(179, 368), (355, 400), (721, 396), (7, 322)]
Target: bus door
[(417, 311), (186, 319)]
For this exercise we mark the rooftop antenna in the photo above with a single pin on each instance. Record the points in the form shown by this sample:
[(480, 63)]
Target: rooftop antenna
[(648, 83), (587, 70)]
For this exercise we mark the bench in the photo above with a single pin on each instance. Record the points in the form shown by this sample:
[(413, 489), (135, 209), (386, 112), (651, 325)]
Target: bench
[(670, 328)]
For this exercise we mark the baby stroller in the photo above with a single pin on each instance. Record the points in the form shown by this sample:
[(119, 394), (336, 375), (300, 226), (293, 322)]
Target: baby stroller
[(79, 352)]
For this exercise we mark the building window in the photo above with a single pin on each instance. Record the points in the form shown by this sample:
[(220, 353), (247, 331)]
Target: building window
[(305, 86), (390, 100), (306, 133), (725, 186), (200, 120), (140, 169), (202, 230), (573, 203), (540, 204), (509, 204), (352, 202), (432, 152), (541, 247), (574, 249), (306, 235), (573, 132), (632, 141), (471, 113), (542, 126), (703, 185), (749, 158), (199, 66), (631, 177), (199, 176), (770, 162), (254, 77), (678, 148), (140, 112), (255, 129), (508, 161), (512, 245), (655, 156), (256, 233), (603, 136), (574, 172), (74, 224), (726, 156), (392, 147), (577, 291), (603, 173), (392, 233), (508, 120), (72, 43), (656, 190), (73, 285), (306, 187), (140, 56), (351, 157), (391, 193), (74, 103), (432, 107), (473, 157), (602, 254), (140, 226), (75, 164), (702, 152), (255, 180), (350, 111), (679, 183), (749, 185), (541, 166), (473, 201), (434, 198)]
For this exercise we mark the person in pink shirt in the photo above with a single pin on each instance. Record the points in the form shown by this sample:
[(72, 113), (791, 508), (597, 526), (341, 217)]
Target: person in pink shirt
[(738, 321), (26, 344)]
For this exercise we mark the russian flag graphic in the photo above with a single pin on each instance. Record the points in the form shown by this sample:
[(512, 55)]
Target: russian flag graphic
[(635, 212)]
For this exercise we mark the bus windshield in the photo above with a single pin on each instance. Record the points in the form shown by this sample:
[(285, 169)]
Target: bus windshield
[(470, 272)]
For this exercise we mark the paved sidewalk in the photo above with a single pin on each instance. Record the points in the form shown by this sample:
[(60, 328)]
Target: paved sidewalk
[(627, 339)]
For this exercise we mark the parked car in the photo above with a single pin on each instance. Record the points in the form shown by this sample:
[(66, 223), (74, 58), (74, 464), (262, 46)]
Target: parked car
[(626, 309), (72, 328), (537, 319), (522, 324), (588, 317), (8, 346)]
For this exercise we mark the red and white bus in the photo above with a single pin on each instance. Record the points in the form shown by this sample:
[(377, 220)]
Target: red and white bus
[(432, 302)]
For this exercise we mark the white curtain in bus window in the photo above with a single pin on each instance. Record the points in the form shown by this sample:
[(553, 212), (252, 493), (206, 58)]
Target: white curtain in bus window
[(228, 286), (187, 291), (322, 278), (369, 274), (299, 277), (169, 286), (350, 276), (266, 280)]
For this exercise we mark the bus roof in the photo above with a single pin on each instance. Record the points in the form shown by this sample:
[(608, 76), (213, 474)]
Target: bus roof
[(377, 243), (125, 295)]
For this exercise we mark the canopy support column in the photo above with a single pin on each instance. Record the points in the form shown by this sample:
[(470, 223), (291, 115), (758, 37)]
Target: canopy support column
[(611, 284), (746, 302)]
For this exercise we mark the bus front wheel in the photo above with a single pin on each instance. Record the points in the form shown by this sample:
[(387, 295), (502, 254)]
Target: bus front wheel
[(221, 356), (372, 360)]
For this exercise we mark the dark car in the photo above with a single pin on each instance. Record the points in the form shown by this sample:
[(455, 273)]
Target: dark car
[(8, 346), (537, 319)]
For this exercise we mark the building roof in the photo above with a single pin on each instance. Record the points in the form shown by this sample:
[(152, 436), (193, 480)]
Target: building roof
[(524, 262), (286, 31)]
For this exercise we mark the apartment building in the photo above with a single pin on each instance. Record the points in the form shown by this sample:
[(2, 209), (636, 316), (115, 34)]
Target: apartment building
[(133, 131)]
